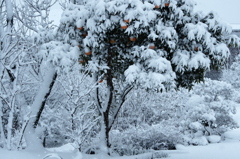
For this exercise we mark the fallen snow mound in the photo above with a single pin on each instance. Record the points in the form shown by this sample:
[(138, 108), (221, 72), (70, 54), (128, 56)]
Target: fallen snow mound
[(52, 156), (65, 148), (214, 139)]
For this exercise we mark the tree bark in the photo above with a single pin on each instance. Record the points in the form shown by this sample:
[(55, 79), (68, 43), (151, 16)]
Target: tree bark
[(104, 138), (3, 139), (9, 9), (106, 127), (45, 100), (9, 128)]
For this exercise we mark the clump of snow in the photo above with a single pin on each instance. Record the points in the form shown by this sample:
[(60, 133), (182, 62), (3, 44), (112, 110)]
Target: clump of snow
[(196, 126), (132, 72), (214, 139), (180, 147), (200, 141), (65, 148), (52, 156), (59, 54), (208, 117), (194, 100)]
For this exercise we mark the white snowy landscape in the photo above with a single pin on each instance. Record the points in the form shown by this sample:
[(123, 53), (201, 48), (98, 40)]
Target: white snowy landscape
[(119, 79)]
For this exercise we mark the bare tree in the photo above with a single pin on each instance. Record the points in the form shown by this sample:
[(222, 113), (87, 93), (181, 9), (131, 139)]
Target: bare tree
[(34, 14), (17, 54), (8, 69), (75, 113)]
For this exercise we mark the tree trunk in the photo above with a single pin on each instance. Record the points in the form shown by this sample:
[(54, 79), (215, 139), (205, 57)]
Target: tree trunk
[(5, 43), (9, 9), (104, 135), (3, 139), (104, 138), (45, 100), (10, 128), (105, 109), (33, 142)]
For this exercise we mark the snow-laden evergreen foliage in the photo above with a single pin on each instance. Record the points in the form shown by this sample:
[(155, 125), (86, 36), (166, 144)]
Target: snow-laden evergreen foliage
[(147, 40)]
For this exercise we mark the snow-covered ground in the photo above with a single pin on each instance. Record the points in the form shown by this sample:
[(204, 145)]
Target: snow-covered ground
[(227, 149)]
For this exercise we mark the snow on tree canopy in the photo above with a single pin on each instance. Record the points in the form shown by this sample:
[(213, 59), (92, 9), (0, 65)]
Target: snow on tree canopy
[(151, 43), (62, 56)]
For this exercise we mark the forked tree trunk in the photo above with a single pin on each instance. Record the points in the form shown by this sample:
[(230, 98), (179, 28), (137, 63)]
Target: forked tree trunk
[(108, 118), (104, 133)]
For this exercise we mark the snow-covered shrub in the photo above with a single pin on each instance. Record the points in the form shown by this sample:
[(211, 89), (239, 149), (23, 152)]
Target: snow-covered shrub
[(140, 139), (232, 75), (160, 120), (144, 124), (218, 96), (208, 111)]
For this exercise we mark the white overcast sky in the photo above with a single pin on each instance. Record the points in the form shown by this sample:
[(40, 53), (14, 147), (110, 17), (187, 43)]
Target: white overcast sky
[(228, 10)]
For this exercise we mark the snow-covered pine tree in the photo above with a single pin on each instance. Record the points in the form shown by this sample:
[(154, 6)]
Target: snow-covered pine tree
[(152, 44)]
